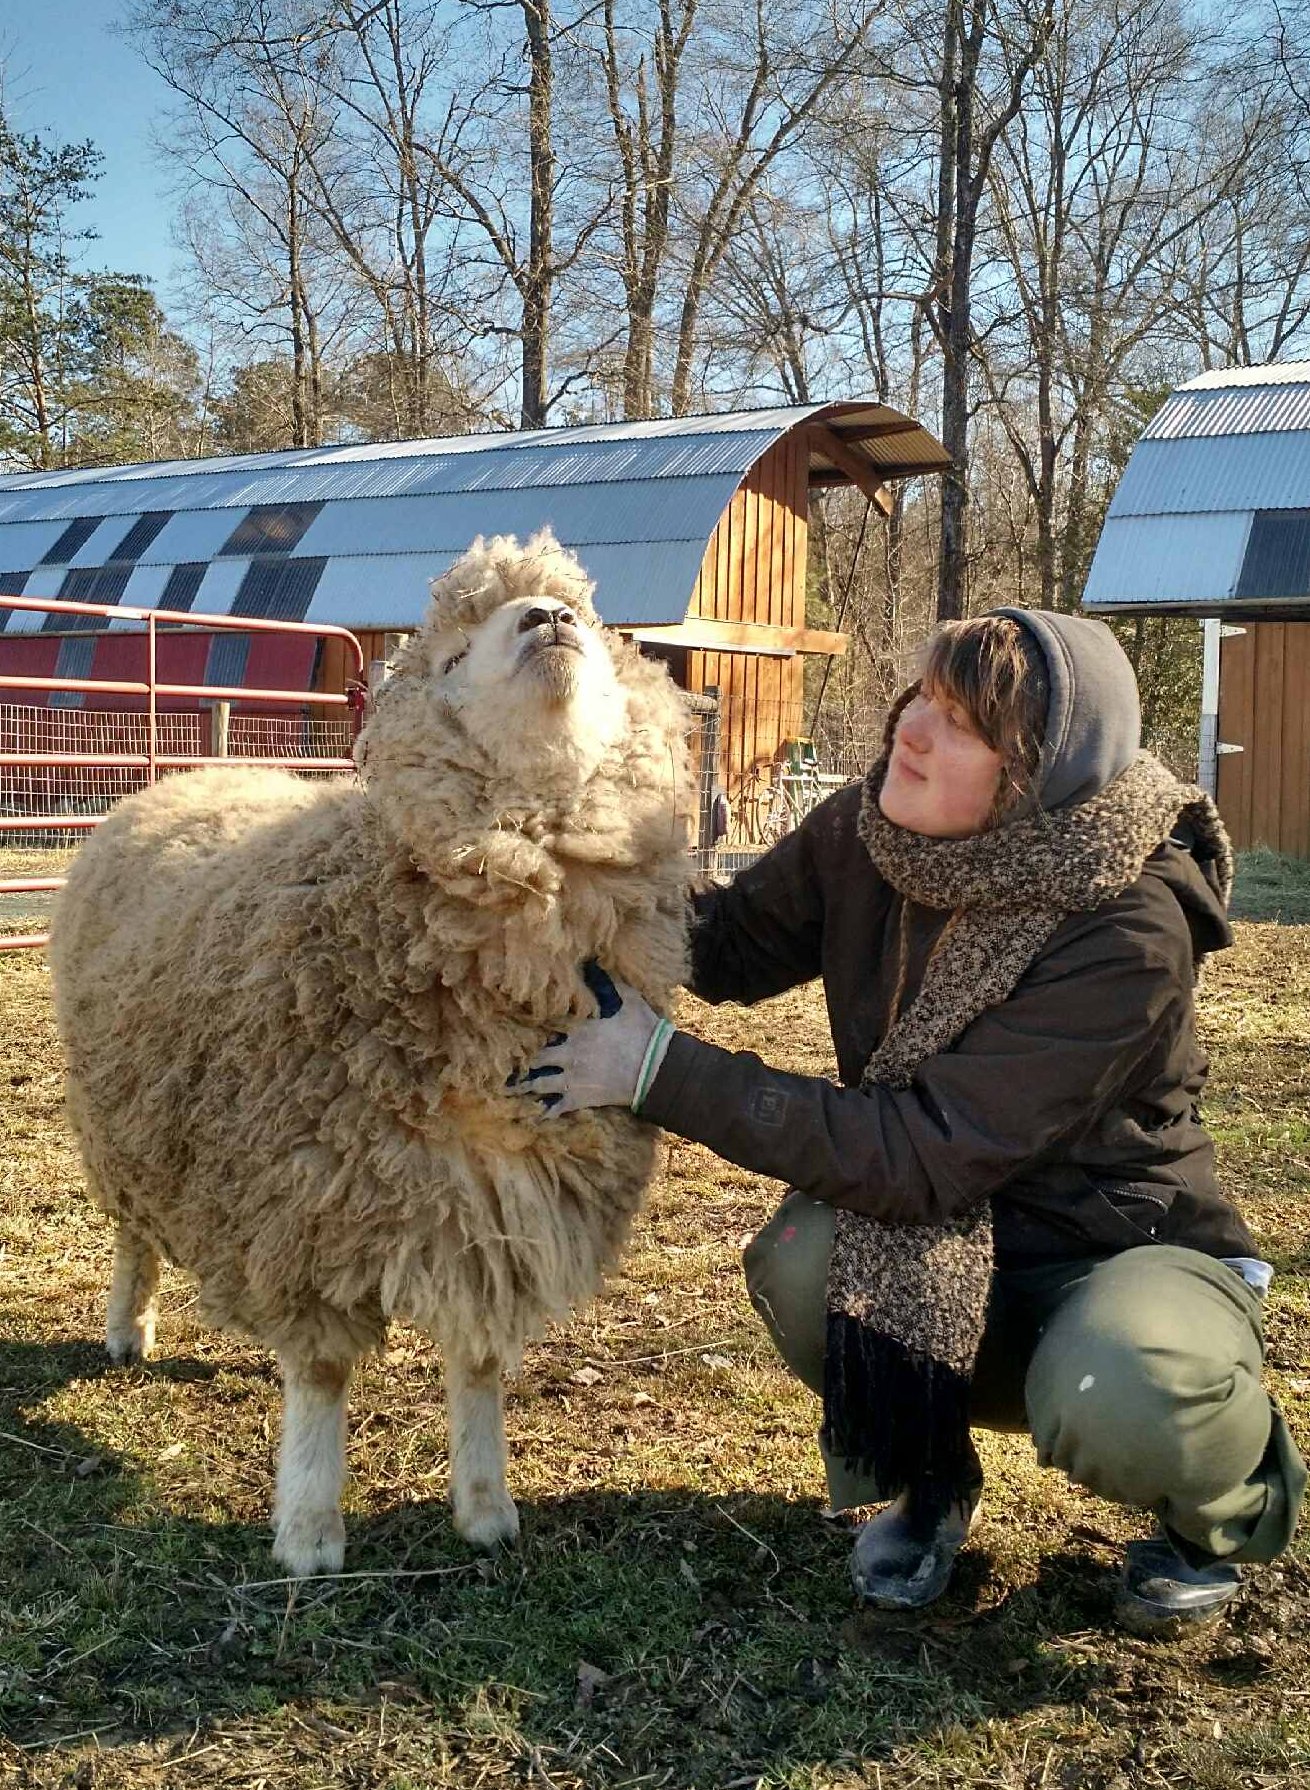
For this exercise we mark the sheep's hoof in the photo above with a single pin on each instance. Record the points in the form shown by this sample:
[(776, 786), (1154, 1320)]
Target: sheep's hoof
[(130, 1343), (309, 1542), (489, 1521)]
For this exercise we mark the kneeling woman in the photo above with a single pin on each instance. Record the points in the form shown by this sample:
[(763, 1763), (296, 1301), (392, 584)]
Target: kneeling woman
[(1007, 1214)]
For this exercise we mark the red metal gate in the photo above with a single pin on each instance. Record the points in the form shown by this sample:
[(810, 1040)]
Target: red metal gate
[(21, 770)]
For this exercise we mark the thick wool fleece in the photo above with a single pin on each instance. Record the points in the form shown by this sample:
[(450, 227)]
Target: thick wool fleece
[(290, 1009), (907, 1304)]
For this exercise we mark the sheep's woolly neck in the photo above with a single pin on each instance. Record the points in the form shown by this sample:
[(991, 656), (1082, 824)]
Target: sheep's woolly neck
[(438, 789), (907, 1304)]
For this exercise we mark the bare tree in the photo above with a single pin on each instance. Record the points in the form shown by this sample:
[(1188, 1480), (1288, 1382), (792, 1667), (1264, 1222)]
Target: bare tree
[(492, 130), (763, 86), (1090, 187), (976, 109), (379, 187), (1244, 285), (1118, 186), (252, 127), (643, 114)]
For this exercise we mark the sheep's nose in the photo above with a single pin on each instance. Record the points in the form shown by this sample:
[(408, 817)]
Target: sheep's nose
[(539, 616)]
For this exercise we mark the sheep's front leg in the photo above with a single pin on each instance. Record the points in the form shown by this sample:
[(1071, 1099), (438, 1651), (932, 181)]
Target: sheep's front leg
[(310, 1535), (475, 1410), (130, 1321)]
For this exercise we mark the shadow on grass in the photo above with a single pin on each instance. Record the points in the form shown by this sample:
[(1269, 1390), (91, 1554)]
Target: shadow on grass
[(713, 1635)]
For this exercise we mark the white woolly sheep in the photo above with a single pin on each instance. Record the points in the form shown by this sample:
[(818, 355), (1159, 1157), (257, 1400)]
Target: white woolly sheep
[(290, 1011)]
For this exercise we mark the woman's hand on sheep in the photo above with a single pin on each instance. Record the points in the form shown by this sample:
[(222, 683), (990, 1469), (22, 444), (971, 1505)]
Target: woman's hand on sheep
[(608, 1061)]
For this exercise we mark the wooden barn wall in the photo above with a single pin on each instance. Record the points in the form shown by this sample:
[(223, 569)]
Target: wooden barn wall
[(1264, 707), (330, 672), (754, 571)]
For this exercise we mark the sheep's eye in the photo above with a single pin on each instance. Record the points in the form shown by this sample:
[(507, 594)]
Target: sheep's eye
[(451, 663)]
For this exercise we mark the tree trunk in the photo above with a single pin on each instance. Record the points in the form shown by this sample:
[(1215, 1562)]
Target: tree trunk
[(646, 152), (315, 382), (539, 272), (37, 375), (1075, 518), (953, 270), (300, 433), (966, 156), (689, 318)]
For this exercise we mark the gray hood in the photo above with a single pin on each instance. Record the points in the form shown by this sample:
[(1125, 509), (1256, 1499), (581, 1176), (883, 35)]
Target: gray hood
[(1094, 718)]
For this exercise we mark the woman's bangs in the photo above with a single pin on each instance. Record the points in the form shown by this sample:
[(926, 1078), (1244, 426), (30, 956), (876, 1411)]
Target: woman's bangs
[(954, 670)]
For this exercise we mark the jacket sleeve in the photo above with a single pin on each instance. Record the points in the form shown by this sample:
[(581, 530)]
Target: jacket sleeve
[(1023, 1076), (763, 933)]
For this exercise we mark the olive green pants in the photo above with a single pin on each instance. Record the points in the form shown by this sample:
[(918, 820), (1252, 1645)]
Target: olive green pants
[(1138, 1375)]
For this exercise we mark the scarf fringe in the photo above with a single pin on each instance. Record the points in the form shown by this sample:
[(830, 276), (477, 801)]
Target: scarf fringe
[(899, 1417)]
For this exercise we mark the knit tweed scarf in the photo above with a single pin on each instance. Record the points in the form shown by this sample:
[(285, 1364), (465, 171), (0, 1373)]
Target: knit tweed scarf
[(907, 1303)]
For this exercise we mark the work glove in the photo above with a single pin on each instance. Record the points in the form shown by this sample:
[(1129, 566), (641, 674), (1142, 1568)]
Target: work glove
[(608, 1061)]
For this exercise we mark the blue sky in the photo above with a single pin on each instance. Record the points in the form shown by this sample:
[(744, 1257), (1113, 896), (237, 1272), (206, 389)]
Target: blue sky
[(67, 76)]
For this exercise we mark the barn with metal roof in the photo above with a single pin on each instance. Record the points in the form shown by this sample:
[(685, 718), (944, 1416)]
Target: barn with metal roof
[(693, 528), (1212, 519)]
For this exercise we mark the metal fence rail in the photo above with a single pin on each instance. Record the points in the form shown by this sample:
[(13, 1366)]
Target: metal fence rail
[(63, 769)]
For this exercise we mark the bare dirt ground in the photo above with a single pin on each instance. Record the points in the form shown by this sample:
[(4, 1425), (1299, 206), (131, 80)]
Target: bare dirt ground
[(678, 1613)]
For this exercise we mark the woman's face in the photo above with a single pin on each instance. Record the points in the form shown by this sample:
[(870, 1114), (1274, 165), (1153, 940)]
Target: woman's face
[(943, 777)]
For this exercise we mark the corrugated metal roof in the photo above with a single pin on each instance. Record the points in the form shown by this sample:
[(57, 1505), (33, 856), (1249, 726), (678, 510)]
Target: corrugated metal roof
[(70, 539), (637, 501), (26, 543), (684, 509), (632, 581), (225, 662), (383, 592), (145, 590), (769, 423), (498, 467), (388, 591), (1246, 472), (1288, 372), (75, 660), (188, 535), (102, 544), (1212, 513), (138, 535), (279, 589), (1243, 410), (1162, 559), (1277, 559), (43, 582)]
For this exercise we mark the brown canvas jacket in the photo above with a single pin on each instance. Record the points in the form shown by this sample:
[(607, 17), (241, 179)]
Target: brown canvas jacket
[(1073, 1104)]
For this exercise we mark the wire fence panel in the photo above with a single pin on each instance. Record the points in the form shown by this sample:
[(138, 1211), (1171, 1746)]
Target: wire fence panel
[(68, 798), (64, 765)]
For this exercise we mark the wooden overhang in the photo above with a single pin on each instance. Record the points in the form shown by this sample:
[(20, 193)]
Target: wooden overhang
[(865, 445), (857, 443)]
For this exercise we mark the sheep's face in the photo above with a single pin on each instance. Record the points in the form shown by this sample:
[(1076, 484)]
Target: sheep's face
[(535, 671)]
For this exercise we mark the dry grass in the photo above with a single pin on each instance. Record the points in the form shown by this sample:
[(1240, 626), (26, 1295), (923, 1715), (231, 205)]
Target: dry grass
[(678, 1614), (1271, 886)]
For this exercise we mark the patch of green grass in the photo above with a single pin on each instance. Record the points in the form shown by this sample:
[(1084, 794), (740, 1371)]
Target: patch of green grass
[(678, 1614), (1269, 885)]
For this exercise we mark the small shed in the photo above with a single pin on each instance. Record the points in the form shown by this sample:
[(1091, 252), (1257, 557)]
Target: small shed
[(693, 528), (1212, 519)]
